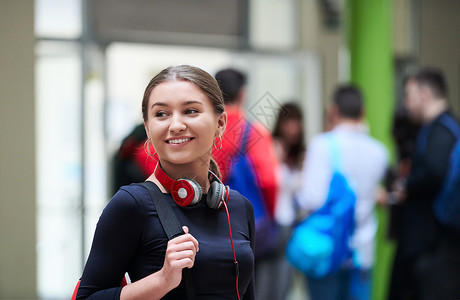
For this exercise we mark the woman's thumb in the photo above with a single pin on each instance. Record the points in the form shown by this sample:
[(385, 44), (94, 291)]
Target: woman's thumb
[(185, 229)]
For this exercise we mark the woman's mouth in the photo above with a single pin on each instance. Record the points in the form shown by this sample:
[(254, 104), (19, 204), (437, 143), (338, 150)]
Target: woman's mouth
[(178, 141)]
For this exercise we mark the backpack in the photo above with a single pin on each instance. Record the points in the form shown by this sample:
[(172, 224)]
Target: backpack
[(242, 178), (319, 245), (447, 202)]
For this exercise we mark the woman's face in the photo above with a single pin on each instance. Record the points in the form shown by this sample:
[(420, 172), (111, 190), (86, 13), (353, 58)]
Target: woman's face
[(182, 123), (291, 130)]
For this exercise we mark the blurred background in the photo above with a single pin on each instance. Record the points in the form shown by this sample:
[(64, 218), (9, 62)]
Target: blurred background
[(73, 73)]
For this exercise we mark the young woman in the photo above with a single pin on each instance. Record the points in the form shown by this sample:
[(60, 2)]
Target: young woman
[(288, 137), (184, 118)]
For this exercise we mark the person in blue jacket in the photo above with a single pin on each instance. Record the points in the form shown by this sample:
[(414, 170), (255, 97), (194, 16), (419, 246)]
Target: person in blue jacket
[(426, 265)]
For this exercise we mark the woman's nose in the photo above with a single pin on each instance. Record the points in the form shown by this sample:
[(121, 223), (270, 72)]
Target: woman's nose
[(177, 124)]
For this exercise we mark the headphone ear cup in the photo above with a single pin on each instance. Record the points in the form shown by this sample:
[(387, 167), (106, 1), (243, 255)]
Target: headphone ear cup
[(186, 192), (215, 195)]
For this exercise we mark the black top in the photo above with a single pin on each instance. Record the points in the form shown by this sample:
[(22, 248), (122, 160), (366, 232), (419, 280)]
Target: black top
[(419, 227), (129, 238)]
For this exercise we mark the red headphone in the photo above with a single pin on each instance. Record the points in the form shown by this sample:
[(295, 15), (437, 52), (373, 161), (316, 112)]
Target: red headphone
[(186, 191)]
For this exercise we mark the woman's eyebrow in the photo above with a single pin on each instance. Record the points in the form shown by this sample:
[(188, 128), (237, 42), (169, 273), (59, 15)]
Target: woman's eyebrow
[(192, 102), (158, 104), (183, 104)]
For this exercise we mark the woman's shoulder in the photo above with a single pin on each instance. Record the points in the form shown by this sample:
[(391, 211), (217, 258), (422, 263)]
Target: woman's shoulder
[(236, 199), (236, 196), (136, 190), (129, 197)]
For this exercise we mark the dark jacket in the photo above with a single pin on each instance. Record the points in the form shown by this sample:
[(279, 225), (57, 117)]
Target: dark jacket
[(419, 227)]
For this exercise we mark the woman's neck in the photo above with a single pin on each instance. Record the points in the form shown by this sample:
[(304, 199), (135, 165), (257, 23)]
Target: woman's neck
[(198, 171)]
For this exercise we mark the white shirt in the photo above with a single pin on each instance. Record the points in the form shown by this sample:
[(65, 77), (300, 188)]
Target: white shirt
[(290, 183), (363, 162)]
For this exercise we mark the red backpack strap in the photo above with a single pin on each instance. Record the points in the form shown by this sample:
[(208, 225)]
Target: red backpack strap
[(74, 295), (124, 282)]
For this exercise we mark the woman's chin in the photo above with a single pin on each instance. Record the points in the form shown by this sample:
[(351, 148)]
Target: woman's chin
[(186, 159)]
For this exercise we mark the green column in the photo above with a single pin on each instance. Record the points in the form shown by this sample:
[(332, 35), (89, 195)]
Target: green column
[(371, 61), (369, 32)]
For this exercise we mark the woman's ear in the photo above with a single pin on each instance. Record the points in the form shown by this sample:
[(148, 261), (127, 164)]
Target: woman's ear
[(221, 123), (147, 130)]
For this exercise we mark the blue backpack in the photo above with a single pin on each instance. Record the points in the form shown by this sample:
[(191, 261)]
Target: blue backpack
[(242, 178), (447, 203), (319, 245)]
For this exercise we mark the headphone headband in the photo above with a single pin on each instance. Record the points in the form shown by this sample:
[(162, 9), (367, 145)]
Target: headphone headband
[(186, 191), (164, 179)]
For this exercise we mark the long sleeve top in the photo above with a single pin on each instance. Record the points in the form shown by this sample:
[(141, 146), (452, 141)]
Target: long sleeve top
[(130, 238), (419, 227)]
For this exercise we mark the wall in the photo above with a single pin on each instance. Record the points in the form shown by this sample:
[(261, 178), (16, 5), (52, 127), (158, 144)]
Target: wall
[(439, 41), (327, 42), (17, 153)]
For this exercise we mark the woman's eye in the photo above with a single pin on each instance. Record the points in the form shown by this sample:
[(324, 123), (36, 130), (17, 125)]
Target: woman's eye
[(160, 114), (191, 111)]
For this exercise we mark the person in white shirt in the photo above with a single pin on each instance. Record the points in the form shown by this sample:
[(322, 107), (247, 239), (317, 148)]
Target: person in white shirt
[(364, 161)]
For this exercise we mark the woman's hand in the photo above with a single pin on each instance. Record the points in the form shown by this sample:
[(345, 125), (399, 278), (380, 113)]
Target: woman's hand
[(180, 253)]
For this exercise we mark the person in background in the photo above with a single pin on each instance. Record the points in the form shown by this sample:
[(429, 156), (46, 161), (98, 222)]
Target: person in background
[(427, 261), (288, 135), (184, 117), (131, 163), (404, 133), (364, 162), (262, 156)]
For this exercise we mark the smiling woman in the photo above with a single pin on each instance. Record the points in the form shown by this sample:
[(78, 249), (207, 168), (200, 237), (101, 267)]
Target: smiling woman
[(184, 116), (194, 94), (182, 124)]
